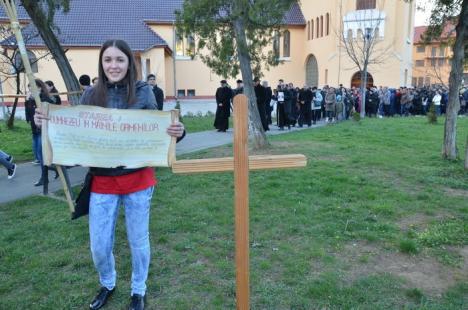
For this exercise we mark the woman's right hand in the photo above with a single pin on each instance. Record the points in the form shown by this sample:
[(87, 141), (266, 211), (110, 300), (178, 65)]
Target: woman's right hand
[(39, 118)]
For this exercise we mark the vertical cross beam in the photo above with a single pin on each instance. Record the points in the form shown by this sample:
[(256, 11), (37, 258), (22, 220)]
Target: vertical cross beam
[(241, 195)]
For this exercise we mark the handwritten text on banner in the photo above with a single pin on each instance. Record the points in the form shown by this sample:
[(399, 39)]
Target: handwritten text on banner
[(97, 137)]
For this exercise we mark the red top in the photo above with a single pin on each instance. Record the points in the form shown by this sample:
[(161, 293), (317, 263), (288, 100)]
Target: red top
[(124, 184)]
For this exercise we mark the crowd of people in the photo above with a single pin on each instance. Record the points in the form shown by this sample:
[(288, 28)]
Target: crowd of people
[(307, 105)]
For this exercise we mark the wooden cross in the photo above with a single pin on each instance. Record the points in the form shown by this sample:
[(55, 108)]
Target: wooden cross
[(240, 164)]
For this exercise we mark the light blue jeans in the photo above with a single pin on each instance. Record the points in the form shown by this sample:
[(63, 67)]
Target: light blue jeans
[(103, 213), (3, 160)]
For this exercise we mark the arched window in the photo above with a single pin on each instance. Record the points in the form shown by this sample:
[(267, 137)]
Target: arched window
[(312, 29), (365, 4), (32, 60), (327, 24), (308, 30), (286, 43), (321, 26), (276, 44), (318, 27)]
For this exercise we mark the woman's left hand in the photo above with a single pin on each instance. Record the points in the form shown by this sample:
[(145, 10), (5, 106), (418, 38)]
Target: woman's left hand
[(176, 129)]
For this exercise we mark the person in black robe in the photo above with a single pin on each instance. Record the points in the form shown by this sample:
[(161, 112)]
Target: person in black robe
[(293, 112), (305, 106), (268, 97), (223, 107), (260, 93), (283, 106)]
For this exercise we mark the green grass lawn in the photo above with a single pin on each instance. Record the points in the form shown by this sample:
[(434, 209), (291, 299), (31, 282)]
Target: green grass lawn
[(375, 221), (18, 141)]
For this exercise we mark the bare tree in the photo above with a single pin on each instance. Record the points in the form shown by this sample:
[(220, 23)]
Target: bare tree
[(11, 65), (359, 37)]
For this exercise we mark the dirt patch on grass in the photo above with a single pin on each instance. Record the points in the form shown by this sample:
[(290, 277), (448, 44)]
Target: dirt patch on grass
[(420, 271), (420, 221), (456, 192)]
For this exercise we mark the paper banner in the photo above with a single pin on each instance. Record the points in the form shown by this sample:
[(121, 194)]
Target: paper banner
[(98, 137)]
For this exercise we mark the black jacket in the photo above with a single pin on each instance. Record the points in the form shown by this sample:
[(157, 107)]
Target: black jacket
[(30, 109), (159, 95)]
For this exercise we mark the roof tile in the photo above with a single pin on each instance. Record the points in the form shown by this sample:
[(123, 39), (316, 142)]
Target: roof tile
[(91, 22)]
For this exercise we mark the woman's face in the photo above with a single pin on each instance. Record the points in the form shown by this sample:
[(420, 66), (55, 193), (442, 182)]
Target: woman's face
[(49, 88), (114, 64)]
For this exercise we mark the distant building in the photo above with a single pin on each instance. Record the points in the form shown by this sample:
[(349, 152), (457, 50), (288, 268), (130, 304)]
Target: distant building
[(308, 44), (433, 60)]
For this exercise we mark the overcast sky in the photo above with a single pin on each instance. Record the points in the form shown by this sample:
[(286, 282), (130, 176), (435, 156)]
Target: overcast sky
[(422, 16)]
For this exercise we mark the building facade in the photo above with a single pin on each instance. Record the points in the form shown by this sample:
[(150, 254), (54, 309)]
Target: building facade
[(433, 60), (309, 44)]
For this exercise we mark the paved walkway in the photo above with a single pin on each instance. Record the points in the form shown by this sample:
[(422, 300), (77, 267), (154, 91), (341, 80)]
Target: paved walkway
[(22, 185)]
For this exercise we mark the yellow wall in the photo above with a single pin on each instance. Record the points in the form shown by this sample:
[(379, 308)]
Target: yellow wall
[(83, 61), (332, 56)]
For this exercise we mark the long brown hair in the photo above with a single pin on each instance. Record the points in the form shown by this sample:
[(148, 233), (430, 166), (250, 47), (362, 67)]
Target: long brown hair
[(42, 87), (99, 95)]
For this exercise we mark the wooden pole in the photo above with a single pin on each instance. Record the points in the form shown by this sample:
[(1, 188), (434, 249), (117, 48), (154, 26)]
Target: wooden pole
[(241, 180), (223, 164)]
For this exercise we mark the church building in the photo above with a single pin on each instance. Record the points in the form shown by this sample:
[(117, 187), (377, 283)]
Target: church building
[(310, 44)]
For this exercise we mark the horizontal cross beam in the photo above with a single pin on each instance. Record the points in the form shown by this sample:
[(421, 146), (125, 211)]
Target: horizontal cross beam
[(256, 162)]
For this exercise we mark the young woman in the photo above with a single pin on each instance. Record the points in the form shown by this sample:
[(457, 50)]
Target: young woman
[(117, 87)]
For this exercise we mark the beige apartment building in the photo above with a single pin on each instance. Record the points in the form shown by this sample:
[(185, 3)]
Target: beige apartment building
[(308, 45), (433, 60)]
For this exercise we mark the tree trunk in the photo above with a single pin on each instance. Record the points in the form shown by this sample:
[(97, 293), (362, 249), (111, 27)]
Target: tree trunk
[(449, 149), (34, 10), (363, 92), (11, 120), (258, 135)]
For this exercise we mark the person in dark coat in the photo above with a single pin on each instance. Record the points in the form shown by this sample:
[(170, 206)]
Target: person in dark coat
[(305, 106), (158, 92), (294, 109), (239, 89), (268, 97), (30, 109), (281, 118), (223, 108), (260, 93)]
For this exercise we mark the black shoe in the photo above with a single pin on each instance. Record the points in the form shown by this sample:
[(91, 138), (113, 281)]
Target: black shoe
[(12, 172), (39, 183), (101, 298), (137, 302)]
